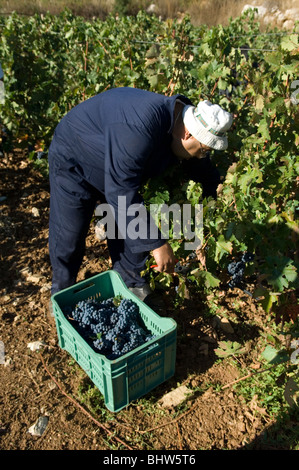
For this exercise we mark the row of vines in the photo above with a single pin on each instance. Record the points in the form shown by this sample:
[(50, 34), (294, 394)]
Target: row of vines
[(51, 63)]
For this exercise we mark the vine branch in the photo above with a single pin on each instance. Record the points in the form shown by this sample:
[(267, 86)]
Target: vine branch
[(83, 409)]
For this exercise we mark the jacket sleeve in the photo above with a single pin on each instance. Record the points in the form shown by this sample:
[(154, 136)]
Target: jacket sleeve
[(128, 149)]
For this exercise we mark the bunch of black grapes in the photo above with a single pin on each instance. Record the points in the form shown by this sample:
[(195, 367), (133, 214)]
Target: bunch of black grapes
[(236, 269), (113, 326)]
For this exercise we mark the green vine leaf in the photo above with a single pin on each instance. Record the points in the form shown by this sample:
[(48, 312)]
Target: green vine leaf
[(273, 356), (229, 348)]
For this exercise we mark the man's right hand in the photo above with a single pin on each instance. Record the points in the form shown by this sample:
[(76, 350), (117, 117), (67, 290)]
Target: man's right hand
[(164, 258)]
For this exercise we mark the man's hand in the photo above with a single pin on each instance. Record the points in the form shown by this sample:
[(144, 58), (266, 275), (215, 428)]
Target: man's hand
[(164, 258)]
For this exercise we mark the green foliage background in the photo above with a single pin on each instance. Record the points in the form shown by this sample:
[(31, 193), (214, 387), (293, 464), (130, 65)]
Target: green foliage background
[(51, 63)]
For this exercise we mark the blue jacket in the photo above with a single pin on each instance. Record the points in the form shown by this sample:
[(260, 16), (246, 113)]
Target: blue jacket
[(119, 138)]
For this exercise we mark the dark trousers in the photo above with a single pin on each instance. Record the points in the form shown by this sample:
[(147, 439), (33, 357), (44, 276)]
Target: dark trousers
[(72, 205)]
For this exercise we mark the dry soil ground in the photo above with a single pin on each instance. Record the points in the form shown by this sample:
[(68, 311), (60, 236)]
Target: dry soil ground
[(50, 384)]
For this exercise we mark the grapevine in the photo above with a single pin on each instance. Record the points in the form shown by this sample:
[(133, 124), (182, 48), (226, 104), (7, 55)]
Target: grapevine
[(113, 327), (52, 63)]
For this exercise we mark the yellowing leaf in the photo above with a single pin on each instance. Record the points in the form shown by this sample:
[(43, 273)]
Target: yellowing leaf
[(222, 247), (259, 103), (288, 43)]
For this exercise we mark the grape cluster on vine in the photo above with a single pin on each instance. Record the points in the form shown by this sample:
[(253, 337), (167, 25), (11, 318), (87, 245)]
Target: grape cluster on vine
[(236, 269), (113, 327)]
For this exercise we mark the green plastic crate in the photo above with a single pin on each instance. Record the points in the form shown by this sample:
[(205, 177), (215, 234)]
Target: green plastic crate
[(132, 375)]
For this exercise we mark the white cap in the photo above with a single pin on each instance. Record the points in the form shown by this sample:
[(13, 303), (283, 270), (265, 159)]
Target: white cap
[(208, 123)]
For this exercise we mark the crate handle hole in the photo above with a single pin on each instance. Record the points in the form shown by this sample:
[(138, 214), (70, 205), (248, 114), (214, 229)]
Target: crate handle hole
[(80, 289)]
